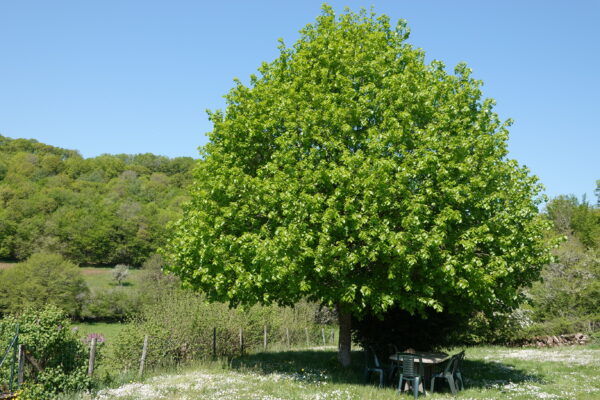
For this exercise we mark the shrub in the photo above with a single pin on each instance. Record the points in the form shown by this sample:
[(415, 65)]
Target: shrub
[(111, 305), (47, 337), (45, 278)]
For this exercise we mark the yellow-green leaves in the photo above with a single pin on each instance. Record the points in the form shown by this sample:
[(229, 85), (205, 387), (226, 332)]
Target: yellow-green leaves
[(352, 172)]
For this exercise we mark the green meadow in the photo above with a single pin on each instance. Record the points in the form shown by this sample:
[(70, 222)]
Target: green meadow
[(490, 372)]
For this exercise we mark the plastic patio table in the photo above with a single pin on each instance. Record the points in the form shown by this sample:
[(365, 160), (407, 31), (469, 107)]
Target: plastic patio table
[(430, 360)]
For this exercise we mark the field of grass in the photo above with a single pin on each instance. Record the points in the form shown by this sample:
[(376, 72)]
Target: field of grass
[(109, 330), (489, 372), (98, 278)]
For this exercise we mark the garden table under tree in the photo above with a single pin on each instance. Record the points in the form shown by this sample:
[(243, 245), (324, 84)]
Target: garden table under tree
[(430, 361)]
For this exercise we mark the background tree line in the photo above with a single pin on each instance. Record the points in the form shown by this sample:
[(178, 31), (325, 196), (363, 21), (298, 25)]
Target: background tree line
[(102, 210)]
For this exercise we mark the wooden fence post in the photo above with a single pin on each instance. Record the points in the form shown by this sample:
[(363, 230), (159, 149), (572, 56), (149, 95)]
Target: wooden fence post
[(241, 341), (307, 341), (323, 335), (21, 365), (92, 359), (143, 358), (214, 343), (265, 338), (332, 336)]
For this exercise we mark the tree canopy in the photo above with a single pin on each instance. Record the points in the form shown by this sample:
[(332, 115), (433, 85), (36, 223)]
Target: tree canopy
[(352, 173)]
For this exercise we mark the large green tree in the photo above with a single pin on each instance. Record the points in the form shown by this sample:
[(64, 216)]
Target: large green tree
[(352, 173)]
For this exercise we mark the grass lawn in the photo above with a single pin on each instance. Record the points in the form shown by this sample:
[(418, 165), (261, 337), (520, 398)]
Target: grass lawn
[(108, 330), (489, 372), (99, 278)]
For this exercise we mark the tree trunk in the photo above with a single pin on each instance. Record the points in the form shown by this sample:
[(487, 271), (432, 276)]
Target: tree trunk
[(345, 337)]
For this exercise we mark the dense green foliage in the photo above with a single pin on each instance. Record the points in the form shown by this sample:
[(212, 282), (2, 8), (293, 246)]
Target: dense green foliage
[(104, 210), (43, 279), (47, 337), (565, 300), (352, 173), (113, 304)]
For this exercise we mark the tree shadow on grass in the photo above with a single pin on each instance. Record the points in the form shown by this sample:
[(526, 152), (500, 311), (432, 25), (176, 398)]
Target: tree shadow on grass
[(484, 374), (299, 363), (122, 284), (315, 365)]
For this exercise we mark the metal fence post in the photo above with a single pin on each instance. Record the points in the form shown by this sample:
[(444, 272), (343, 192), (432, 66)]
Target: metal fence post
[(15, 344), (21, 369)]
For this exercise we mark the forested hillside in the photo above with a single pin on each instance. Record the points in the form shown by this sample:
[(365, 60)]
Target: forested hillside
[(103, 210)]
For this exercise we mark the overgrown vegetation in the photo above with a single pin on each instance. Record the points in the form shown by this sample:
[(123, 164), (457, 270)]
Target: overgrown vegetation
[(180, 327), (57, 359)]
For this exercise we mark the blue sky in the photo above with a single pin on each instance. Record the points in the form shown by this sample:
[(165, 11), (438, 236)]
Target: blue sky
[(137, 76)]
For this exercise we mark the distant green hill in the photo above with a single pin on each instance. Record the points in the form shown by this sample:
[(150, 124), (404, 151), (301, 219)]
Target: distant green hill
[(103, 210)]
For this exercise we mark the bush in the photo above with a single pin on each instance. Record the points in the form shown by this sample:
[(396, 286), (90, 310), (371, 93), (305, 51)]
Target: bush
[(47, 336), (111, 305), (45, 278)]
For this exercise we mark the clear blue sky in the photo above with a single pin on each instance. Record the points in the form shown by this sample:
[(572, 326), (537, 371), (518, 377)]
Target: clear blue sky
[(136, 76)]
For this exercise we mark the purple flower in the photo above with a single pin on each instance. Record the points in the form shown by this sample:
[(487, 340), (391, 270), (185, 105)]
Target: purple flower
[(98, 336)]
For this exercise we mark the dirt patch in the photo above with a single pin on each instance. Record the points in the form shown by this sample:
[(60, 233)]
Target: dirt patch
[(93, 271), (6, 265)]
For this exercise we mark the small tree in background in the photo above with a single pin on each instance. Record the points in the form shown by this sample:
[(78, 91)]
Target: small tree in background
[(120, 273), (352, 173)]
